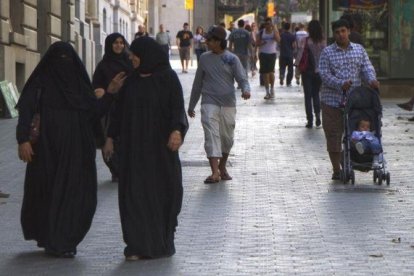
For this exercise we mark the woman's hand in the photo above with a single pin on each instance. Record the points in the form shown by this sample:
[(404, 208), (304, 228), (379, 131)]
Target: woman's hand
[(191, 113), (175, 140), (99, 92), (116, 83), (25, 152), (108, 148)]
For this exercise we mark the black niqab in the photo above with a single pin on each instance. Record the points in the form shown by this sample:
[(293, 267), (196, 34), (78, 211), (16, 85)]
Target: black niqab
[(61, 182), (67, 74)]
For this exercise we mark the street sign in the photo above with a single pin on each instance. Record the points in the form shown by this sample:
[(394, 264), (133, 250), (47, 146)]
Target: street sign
[(10, 98), (188, 4)]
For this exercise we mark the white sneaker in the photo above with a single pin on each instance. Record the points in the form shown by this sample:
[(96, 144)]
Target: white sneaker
[(359, 147)]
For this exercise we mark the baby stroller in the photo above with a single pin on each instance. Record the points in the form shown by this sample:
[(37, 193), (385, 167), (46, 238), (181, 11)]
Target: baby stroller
[(362, 102)]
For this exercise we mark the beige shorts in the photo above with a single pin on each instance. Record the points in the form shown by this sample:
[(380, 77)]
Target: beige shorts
[(218, 124), (333, 126)]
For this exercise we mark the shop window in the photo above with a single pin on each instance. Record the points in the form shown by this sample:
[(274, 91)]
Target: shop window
[(402, 39), (20, 76), (370, 19), (104, 20), (16, 16)]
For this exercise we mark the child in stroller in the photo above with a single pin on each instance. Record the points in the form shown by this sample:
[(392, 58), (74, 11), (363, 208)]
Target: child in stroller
[(365, 141), (362, 148)]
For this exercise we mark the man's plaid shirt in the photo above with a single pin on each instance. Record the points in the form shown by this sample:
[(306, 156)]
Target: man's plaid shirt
[(336, 66)]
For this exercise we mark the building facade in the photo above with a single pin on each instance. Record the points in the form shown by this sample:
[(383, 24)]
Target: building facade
[(28, 27)]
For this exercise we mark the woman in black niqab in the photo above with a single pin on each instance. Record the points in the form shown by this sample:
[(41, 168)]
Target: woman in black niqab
[(60, 184), (115, 61), (151, 122)]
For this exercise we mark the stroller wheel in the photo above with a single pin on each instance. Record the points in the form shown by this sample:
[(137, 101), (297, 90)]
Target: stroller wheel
[(388, 178), (375, 176), (380, 177)]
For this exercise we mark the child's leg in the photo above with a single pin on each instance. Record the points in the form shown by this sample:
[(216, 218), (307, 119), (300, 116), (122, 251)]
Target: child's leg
[(375, 146)]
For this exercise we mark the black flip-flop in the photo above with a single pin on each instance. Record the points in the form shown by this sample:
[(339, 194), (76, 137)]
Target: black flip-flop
[(210, 180)]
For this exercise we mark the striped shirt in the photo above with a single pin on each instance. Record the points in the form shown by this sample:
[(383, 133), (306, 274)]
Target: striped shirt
[(336, 66)]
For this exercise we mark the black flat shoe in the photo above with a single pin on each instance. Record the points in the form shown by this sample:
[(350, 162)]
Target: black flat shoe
[(308, 125), (68, 254), (318, 122), (406, 106)]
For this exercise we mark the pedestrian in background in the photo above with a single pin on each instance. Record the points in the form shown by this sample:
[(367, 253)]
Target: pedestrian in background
[(266, 41), (300, 34), (343, 66), (214, 82), (141, 31), (199, 43), (355, 36), (151, 122), (163, 38), (287, 45), (60, 184), (184, 38), (311, 79), (114, 64), (241, 44), (408, 106), (253, 50)]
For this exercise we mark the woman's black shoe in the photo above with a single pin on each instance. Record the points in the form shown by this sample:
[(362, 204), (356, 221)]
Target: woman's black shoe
[(318, 122), (68, 254), (308, 125)]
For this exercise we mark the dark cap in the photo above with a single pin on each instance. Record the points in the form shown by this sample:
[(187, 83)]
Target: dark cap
[(216, 32)]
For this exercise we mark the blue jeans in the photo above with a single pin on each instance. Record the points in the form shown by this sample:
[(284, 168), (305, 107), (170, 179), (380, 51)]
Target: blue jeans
[(198, 53), (283, 62), (373, 146)]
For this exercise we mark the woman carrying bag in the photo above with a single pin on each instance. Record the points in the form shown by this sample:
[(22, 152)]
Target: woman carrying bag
[(313, 46)]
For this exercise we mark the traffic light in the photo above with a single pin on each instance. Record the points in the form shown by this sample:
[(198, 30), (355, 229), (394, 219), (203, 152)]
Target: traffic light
[(270, 9)]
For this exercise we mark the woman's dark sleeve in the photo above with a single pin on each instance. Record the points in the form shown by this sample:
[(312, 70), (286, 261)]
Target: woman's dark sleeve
[(29, 101), (98, 78), (103, 105), (115, 115), (179, 119)]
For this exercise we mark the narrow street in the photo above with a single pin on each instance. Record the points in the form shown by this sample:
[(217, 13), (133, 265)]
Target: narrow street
[(280, 215)]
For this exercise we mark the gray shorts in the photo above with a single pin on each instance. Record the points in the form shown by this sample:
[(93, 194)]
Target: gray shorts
[(218, 124)]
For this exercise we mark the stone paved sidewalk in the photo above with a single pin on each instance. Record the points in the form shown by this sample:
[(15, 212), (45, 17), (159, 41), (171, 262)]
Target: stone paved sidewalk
[(280, 215)]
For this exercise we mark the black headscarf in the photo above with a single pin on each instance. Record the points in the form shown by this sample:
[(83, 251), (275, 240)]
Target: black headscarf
[(153, 58), (62, 66), (111, 63), (122, 59)]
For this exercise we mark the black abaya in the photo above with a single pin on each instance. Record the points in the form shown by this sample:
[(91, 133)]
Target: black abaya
[(60, 184), (105, 71), (150, 183)]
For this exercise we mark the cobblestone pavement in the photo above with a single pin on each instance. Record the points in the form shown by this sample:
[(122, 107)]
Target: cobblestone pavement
[(280, 215)]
